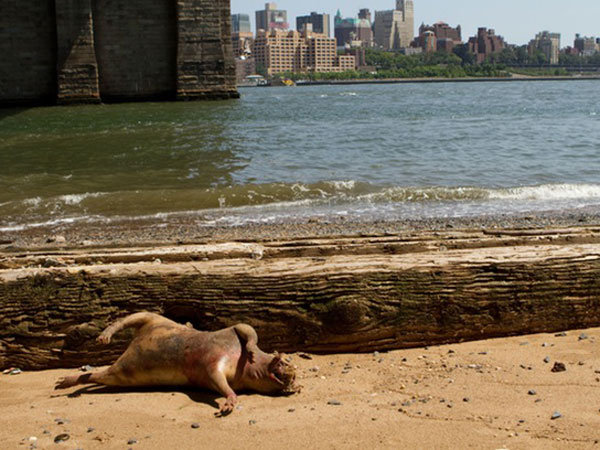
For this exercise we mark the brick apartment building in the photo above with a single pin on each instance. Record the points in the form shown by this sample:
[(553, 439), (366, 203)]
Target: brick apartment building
[(486, 43), (445, 36), (291, 51)]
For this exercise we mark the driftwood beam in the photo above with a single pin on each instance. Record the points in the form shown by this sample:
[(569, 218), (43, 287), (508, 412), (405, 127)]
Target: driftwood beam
[(321, 295)]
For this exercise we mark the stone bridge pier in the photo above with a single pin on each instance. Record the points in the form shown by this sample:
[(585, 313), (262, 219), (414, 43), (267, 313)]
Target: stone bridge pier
[(86, 51)]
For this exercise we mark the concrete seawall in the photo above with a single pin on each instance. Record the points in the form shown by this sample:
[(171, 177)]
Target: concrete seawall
[(86, 51)]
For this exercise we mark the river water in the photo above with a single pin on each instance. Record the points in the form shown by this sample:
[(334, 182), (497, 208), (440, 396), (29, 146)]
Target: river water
[(367, 152)]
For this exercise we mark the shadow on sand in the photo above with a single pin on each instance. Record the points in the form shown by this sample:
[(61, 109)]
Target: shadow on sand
[(196, 395)]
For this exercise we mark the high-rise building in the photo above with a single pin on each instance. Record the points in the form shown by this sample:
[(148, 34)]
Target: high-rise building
[(240, 23), (486, 43), (352, 31), (365, 14), (548, 43), (271, 18), (394, 29), (587, 46), (279, 51), (319, 22)]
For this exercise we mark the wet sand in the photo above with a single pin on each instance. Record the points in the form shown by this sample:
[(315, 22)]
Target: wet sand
[(188, 229), (471, 395)]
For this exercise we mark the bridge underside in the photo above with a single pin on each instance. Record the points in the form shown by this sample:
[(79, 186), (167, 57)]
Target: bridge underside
[(86, 51)]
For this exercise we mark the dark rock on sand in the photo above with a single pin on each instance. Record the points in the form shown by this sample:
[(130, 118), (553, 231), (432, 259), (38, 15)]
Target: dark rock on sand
[(61, 438)]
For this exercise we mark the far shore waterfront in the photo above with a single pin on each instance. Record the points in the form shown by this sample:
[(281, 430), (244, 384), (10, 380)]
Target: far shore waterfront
[(440, 80)]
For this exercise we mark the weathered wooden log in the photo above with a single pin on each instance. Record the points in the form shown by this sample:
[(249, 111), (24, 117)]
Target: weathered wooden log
[(330, 295)]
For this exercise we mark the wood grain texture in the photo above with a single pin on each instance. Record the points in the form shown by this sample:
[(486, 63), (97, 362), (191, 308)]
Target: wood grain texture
[(323, 295)]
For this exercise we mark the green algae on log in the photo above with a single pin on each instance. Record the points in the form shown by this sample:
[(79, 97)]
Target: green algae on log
[(353, 294)]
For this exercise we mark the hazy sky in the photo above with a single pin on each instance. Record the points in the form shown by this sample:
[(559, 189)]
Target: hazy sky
[(517, 20)]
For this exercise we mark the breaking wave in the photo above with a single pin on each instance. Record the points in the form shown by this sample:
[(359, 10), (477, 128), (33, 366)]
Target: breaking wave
[(335, 196)]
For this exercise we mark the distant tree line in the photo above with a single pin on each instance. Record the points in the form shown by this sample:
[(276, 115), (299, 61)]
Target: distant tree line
[(517, 56)]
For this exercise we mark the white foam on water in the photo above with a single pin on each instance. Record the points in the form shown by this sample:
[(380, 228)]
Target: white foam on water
[(76, 199), (35, 201), (342, 184), (48, 223), (338, 198), (548, 192)]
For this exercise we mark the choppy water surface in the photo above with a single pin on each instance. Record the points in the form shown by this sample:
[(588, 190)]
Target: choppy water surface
[(366, 152)]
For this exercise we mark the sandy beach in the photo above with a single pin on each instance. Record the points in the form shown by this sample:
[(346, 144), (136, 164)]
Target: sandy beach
[(488, 395), (492, 394)]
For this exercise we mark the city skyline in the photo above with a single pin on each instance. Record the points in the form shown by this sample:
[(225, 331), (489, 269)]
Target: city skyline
[(580, 17)]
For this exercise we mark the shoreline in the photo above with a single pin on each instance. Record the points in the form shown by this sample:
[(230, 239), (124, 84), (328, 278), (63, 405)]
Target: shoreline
[(186, 229), (440, 80)]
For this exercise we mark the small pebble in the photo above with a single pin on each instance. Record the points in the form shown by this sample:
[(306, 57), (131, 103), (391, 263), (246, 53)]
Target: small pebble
[(563, 334), (532, 392), (466, 399), (547, 360), (90, 429), (61, 438), (559, 367), (556, 415), (334, 402), (195, 425), (132, 441), (252, 422), (583, 337), (291, 410), (304, 356)]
